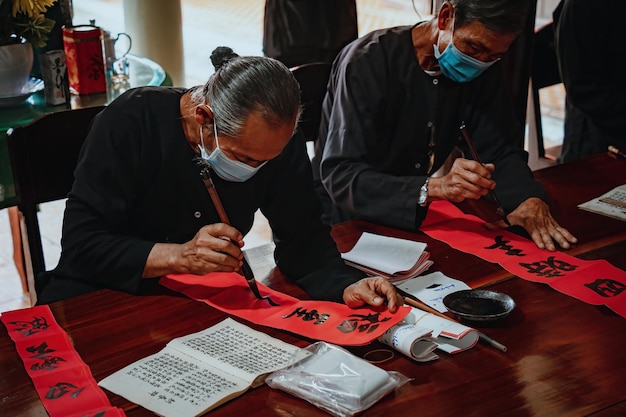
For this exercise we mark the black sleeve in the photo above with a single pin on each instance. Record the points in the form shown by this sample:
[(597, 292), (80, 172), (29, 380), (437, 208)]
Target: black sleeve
[(493, 128), (305, 251), (297, 32), (355, 143), (587, 29), (95, 240)]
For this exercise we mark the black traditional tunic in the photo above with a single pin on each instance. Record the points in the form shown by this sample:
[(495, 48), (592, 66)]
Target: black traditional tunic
[(136, 184), (298, 32), (377, 120), (590, 49)]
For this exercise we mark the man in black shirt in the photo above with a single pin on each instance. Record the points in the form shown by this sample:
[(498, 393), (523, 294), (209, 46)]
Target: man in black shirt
[(595, 88), (391, 117), (139, 207)]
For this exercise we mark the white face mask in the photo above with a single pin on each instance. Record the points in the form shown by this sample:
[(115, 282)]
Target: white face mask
[(226, 168)]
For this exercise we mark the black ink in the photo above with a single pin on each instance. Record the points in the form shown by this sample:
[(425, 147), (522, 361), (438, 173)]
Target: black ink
[(40, 351), (502, 244), (29, 328), (60, 389), (94, 68), (607, 287), (312, 315), (43, 352), (549, 268), (48, 364), (364, 323)]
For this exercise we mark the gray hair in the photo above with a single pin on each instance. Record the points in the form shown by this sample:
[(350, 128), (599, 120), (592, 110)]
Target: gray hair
[(499, 16), (244, 85)]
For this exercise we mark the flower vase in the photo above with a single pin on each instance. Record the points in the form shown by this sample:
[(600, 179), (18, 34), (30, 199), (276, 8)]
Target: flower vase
[(16, 62)]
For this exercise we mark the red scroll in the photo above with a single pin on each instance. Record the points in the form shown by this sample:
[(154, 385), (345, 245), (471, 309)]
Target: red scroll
[(62, 380), (594, 282), (319, 320)]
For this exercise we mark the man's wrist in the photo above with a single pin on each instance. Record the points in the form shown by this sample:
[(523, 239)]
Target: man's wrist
[(423, 196)]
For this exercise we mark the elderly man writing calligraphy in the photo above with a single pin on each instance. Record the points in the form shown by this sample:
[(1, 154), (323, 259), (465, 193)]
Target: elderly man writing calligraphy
[(395, 102), (139, 207)]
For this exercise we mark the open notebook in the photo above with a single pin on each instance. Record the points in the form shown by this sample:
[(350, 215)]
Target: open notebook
[(394, 258)]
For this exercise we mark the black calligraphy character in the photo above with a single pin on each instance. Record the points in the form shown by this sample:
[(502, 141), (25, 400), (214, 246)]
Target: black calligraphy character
[(95, 68), (561, 265), (60, 389), (541, 270), (348, 326), (312, 315), (40, 351), (607, 287), (503, 244), (48, 364), (59, 76), (29, 328), (370, 323), (549, 268), (43, 352), (77, 392)]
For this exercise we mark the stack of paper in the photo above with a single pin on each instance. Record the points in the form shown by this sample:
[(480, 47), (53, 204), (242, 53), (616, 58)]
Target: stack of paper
[(394, 258)]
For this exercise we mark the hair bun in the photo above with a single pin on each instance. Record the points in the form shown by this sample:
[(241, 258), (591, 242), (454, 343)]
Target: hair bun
[(221, 55)]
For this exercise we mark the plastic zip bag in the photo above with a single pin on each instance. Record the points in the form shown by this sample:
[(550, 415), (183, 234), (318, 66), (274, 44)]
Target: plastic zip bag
[(335, 380)]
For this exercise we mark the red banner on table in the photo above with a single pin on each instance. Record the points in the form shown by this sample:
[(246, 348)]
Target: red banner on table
[(595, 282), (62, 380), (319, 320)]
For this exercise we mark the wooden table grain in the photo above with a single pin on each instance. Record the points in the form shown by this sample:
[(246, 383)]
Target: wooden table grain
[(564, 358)]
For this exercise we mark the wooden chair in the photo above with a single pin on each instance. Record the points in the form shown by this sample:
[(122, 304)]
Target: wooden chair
[(313, 79), (43, 156)]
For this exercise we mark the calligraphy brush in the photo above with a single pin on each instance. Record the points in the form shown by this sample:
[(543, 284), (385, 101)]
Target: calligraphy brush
[(246, 270), (483, 337), (499, 210)]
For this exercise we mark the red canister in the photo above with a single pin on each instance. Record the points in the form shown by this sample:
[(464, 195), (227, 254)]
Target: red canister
[(83, 53)]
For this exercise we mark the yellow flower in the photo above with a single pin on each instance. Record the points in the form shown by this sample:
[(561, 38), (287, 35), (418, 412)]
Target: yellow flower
[(25, 19), (31, 8)]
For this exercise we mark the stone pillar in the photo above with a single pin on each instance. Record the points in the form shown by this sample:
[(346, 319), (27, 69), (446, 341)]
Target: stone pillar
[(155, 27)]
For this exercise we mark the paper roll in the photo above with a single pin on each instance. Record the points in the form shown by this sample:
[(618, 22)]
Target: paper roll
[(411, 340)]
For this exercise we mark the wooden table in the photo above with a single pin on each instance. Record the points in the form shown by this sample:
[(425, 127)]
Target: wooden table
[(564, 357)]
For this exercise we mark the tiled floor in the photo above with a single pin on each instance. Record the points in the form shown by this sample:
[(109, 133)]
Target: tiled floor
[(236, 23)]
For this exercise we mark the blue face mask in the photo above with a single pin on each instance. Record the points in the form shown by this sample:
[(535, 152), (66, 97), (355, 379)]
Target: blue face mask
[(226, 168), (458, 66)]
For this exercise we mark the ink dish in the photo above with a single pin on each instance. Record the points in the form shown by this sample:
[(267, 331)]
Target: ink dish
[(479, 305)]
